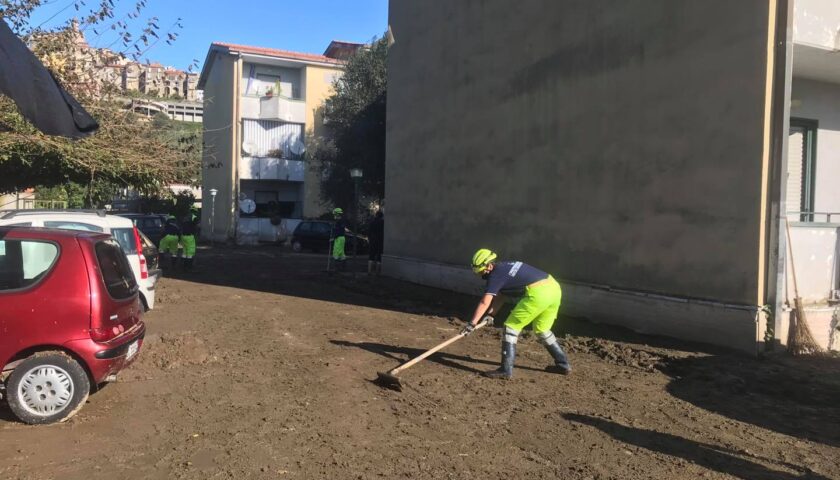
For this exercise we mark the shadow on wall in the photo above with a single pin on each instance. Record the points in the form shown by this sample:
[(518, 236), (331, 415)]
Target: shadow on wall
[(712, 457), (795, 396)]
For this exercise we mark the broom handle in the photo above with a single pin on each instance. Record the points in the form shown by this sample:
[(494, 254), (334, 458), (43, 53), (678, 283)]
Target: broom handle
[(792, 264), (434, 349)]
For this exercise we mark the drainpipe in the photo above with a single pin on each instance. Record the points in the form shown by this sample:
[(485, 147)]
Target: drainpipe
[(777, 241), (233, 221)]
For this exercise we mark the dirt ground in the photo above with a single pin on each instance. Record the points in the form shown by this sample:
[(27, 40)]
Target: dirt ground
[(260, 365)]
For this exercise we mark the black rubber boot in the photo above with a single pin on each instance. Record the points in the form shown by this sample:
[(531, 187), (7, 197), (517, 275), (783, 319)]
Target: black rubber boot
[(505, 371), (561, 362), (188, 264), (173, 262)]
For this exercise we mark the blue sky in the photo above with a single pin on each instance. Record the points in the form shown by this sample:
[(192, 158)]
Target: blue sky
[(300, 25)]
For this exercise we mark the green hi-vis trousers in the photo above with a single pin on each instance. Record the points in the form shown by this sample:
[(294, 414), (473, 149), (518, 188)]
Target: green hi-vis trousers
[(338, 248), (169, 244), (188, 241), (539, 306)]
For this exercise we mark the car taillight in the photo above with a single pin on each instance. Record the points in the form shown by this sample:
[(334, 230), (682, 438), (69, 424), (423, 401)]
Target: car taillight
[(138, 244), (103, 334)]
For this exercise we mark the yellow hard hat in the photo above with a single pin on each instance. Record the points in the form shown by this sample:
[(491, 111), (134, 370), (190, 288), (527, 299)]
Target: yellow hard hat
[(481, 259)]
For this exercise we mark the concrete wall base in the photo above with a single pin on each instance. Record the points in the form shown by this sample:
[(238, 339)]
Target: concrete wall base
[(733, 326)]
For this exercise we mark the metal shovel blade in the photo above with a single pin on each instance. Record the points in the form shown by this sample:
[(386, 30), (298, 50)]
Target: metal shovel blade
[(387, 380)]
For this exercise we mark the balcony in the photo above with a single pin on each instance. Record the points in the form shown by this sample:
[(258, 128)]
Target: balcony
[(816, 37), (283, 109), (266, 168)]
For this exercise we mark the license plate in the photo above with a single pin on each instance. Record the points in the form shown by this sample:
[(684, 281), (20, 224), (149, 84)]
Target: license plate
[(132, 350)]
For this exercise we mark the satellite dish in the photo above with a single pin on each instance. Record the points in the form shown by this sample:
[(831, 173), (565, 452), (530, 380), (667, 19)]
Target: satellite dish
[(247, 206), (298, 147), (250, 148)]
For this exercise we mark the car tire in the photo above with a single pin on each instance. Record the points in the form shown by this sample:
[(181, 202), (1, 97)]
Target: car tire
[(296, 246), (47, 387)]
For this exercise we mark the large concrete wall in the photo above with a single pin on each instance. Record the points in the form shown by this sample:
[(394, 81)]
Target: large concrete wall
[(613, 143), (217, 163)]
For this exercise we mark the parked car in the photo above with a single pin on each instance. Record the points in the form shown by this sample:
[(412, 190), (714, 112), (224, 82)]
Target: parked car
[(122, 229), (149, 224), (150, 251), (71, 319), (315, 235)]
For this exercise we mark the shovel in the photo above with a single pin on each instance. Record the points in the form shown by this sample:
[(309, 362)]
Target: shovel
[(390, 379)]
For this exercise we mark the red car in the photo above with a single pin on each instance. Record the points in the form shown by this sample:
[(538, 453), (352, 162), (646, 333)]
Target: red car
[(70, 318)]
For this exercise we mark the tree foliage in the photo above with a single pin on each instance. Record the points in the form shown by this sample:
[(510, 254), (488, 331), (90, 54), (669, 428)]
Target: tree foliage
[(128, 150), (355, 118)]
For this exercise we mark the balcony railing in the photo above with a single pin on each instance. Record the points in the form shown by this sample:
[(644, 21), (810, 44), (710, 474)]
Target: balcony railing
[(265, 168), (282, 108), (814, 217)]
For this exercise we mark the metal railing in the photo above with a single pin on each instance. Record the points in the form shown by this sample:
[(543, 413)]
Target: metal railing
[(31, 204), (816, 217)]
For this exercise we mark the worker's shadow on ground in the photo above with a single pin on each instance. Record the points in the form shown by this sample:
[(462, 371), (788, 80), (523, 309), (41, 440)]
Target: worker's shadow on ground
[(712, 457), (402, 354), (795, 396)]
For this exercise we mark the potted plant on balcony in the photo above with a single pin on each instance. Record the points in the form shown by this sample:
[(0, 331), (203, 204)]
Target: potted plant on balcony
[(269, 92)]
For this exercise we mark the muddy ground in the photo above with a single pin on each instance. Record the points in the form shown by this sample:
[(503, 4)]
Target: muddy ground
[(260, 366)]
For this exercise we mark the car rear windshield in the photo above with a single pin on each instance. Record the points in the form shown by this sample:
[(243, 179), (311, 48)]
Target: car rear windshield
[(151, 222), (23, 263), (125, 237), (70, 225), (116, 273)]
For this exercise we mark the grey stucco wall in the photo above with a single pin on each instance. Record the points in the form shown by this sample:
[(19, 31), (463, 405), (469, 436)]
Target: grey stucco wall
[(613, 142)]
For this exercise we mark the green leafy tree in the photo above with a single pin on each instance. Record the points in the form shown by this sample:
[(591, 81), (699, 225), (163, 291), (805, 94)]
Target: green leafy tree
[(128, 150), (355, 118)]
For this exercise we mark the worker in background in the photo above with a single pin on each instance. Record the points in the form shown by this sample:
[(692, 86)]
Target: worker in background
[(376, 239), (339, 240), (539, 297), (188, 230), (170, 240)]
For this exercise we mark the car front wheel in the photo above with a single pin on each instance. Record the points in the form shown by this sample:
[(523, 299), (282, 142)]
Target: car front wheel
[(47, 387), (296, 246)]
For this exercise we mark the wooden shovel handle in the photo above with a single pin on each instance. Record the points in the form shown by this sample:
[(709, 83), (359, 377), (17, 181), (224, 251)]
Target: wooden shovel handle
[(436, 348)]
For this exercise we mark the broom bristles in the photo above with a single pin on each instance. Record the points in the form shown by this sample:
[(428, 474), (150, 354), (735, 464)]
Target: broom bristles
[(801, 339)]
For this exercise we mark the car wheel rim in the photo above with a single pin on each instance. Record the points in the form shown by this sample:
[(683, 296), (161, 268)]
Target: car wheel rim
[(46, 390)]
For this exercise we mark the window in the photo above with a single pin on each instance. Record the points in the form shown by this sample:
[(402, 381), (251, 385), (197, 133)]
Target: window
[(116, 273), (125, 238), (272, 138), (23, 263), (801, 171), (152, 223), (23, 224), (305, 227), (68, 225), (322, 228), (264, 83)]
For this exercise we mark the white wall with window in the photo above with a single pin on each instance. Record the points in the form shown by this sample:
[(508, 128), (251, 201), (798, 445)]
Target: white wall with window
[(811, 185), (814, 147), (274, 197), (271, 138), (260, 80)]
